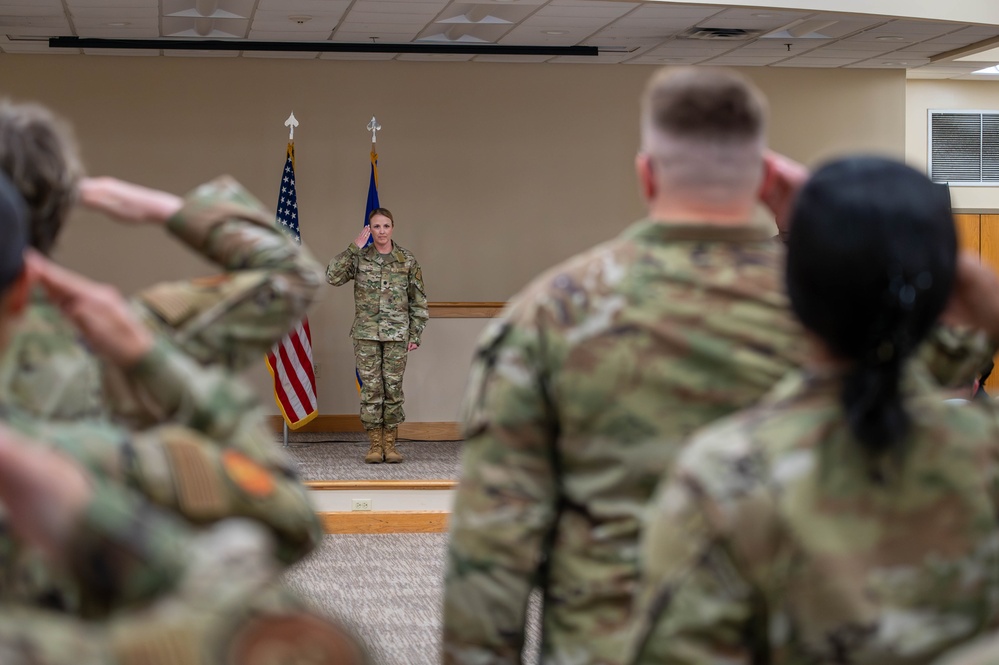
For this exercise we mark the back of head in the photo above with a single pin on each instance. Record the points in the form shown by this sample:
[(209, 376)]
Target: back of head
[(39, 155), (14, 231), (870, 266), (705, 129)]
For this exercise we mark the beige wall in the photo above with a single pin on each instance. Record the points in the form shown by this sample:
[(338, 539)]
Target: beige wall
[(925, 95), (493, 171)]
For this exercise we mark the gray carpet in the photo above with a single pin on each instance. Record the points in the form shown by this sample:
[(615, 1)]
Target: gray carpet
[(387, 588), (340, 456)]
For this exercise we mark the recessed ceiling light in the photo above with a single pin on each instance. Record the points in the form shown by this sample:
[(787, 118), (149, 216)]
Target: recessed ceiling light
[(555, 32), (764, 15), (504, 0), (117, 24), (890, 38)]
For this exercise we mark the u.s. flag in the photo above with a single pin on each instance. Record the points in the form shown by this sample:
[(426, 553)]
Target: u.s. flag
[(290, 361)]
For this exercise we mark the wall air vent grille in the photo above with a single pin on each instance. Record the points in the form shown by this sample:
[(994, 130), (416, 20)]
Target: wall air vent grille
[(964, 147)]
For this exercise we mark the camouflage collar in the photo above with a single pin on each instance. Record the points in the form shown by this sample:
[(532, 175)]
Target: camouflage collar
[(916, 380), (668, 231), (396, 254)]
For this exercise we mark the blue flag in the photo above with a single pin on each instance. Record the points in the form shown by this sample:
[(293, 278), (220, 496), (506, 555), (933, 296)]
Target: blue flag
[(371, 205)]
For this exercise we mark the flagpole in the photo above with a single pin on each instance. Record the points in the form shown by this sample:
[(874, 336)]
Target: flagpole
[(291, 123), (374, 128)]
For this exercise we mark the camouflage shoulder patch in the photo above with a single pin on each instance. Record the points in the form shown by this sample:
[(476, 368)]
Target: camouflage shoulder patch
[(249, 476), (199, 491), (212, 280)]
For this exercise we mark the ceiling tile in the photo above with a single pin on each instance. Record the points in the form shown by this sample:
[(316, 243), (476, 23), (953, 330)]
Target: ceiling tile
[(523, 37), (317, 22), (314, 7), (659, 12), (73, 4), (735, 59), (589, 10), (36, 47), (289, 36), (50, 23), (365, 36), (558, 22), (128, 32)]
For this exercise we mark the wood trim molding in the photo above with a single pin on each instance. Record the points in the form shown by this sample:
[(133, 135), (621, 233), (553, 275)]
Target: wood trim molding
[(465, 310), (384, 522), (428, 431), (344, 485)]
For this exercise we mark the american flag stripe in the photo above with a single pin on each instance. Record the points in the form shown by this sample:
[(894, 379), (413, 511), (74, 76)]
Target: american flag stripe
[(290, 361)]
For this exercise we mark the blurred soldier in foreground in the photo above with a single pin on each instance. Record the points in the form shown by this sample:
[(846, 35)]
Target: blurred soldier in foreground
[(851, 516), (223, 461), (184, 599), (581, 394), (231, 319)]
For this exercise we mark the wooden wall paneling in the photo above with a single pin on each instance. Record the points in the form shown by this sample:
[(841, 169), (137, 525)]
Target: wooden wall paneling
[(969, 232), (989, 244)]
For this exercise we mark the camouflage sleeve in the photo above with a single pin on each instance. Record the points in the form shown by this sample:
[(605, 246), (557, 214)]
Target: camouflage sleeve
[(268, 284), (694, 605), (31, 636), (203, 480), (419, 313), (505, 507), (168, 385), (124, 550), (343, 267), (982, 651), (955, 357)]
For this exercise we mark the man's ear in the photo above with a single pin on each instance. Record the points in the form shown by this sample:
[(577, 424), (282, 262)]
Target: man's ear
[(645, 170)]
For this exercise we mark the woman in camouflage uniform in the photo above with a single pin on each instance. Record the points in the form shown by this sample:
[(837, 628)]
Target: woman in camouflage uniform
[(390, 312), (851, 516)]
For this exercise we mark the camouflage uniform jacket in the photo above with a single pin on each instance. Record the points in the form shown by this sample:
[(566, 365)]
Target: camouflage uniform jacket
[(390, 301), (214, 460), (232, 319), (579, 398), (982, 651), (779, 539)]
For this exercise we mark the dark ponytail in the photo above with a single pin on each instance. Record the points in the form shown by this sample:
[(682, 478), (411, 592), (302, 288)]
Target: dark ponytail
[(870, 266)]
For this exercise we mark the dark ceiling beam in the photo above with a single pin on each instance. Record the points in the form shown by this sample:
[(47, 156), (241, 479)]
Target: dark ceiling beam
[(324, 47)]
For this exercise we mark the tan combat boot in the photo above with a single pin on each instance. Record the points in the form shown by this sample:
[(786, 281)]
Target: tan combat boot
[(376, 451), (392, 455)]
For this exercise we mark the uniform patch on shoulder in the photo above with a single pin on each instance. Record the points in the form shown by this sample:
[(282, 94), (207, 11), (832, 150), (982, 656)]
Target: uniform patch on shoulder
[(170, 645), (199, 486), (249, 476), (211, 280)]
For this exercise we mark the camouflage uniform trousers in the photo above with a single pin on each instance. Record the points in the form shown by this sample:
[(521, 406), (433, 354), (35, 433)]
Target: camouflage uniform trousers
[(381, 366)]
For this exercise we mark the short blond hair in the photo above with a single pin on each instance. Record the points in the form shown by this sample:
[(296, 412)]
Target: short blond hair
[(705, 126)]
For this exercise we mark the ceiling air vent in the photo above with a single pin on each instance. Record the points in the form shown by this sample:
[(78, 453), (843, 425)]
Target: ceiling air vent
[(964, 147), (730, 34)]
